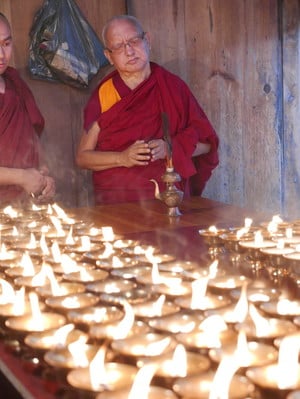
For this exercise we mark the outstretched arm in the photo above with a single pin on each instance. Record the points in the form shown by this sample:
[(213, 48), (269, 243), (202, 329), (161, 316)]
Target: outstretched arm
[(88, 158), (31, 180)]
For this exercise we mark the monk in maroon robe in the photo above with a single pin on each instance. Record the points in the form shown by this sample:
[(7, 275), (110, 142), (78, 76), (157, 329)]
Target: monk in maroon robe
[(123, 139), (22, 174)]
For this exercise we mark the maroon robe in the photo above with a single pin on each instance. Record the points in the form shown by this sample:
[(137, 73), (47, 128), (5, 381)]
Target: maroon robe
[(20, 124), (138, 116)]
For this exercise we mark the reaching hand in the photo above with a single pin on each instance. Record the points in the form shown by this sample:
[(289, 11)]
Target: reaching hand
[(158, 149), (35, 183), (137, 154), (48, 191)]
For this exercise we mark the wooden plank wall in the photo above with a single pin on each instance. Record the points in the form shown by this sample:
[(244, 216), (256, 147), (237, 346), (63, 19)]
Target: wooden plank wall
[(241, 60), (291, 105), (61, 104)]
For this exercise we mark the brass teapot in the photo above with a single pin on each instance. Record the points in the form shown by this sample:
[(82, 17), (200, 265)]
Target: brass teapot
[(172, 196)]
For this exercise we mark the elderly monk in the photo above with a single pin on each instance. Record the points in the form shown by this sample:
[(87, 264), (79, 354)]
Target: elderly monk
[(22, 173), (123, 139)]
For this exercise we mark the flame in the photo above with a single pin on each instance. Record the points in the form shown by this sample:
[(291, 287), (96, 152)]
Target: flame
[(241, 232), (49, 209), (288, 366), (177, 365), (26, 263), (45, 273), (61, 334), (4, 254), (7, 292), (172, 282), (223, 376), (157, 307), (32, 243), (156, 348), (116, 262), (69, 265), (70, 239), (213, 323), (280, 244), (273, 225), (240, 311), (139, 250), (212, 326), (19, 302), (85, 243), (59, 211), (258, 237), (56, 254), (122, 329), (242, 350), (287, 307), (108, 251), (213, 229), (71, 302), (78, 352), (262, 325), (57, 224), (141, 385), (84, 274), (44, 246), (98, 374), (213, 269), (108, 233), (15, 232), (94, 231), (248, 223), (199, 288), (10, 211), (35, 310)]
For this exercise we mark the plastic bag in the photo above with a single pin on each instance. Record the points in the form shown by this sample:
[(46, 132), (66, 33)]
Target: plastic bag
[(64, 47)]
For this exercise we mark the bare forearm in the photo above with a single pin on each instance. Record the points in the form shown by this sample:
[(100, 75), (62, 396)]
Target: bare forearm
[(98, 160), (201, 148), (31, 180), (11, 176)]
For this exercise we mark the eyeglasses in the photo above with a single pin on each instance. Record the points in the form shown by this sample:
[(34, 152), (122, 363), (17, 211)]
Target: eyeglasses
[(135, 41)]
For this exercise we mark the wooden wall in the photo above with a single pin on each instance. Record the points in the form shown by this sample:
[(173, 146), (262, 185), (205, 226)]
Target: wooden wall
[(241, 60), (61, 104)]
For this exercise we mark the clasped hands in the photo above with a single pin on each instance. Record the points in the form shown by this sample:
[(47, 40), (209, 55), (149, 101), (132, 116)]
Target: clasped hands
[(142, 152), (39, 184)]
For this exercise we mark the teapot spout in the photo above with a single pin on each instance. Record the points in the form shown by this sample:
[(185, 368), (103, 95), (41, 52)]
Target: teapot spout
[(156, 192)]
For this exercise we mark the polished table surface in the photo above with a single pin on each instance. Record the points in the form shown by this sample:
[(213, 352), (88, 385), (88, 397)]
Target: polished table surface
[(152, 215), (147, 221)]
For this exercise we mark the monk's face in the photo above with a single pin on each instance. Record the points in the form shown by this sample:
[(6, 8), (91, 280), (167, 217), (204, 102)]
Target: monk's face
[(5, 45), (129, 48)]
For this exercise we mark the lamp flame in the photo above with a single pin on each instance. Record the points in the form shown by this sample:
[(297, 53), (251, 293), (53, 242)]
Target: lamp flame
[(121, 330), (141, 385), (262, 325), (288, 366), (98, 374)]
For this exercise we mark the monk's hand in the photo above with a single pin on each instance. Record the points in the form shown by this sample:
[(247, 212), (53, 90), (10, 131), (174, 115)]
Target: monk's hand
[(138, 153), (158, 149), (33, 181), (48, 192)]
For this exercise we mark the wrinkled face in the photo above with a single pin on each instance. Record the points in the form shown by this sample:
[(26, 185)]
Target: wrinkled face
[(5, 45), (127, 49)]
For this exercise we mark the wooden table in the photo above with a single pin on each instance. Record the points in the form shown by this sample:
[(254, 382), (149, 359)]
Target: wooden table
[(151, 216), (148, 222)]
